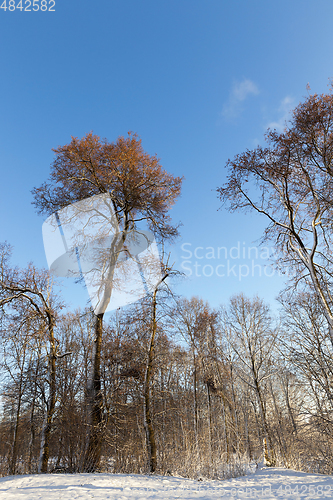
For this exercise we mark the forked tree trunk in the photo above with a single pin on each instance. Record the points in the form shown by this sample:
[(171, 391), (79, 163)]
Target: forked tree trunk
[(147, 409)]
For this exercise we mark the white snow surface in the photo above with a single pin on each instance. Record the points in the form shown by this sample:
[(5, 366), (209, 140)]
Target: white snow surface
[(264, 483)]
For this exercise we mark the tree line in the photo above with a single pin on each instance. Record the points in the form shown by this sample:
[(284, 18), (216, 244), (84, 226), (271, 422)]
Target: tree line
[(221, 384), (168, 384)]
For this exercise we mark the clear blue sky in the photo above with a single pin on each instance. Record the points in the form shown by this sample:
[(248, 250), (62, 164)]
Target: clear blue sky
[(199, 81)]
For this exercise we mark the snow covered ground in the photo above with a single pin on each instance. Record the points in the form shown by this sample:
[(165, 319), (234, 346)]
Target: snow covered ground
[(265, 483)]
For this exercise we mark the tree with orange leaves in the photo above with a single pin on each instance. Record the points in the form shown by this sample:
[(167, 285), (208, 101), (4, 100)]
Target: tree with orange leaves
[(139, 190)]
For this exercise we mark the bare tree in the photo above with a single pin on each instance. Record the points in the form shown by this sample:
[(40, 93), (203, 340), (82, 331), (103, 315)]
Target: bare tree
[(34, 288), (307, 346), (18, 332), (251, 336), (290, 182)]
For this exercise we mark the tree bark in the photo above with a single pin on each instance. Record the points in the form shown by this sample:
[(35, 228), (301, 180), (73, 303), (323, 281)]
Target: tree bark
[(195, 402), (148, 418), (267, 436), (94, 449), (12, 467), (47, 425), (209, 423)]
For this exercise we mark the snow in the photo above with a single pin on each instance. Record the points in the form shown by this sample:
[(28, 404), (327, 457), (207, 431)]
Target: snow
[(265, 483)]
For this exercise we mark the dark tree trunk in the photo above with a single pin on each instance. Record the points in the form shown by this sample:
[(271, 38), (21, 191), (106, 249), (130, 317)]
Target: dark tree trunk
[(195, 402), (32, 419), (209, 424), (94, 449), (12, 467), (148, 418), (47, 425)]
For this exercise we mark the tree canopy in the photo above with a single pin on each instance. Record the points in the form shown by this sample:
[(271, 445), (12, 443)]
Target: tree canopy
[(138, 185)]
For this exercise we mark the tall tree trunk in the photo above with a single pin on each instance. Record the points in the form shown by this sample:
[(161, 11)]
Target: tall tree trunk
[(94, 449), (148, 418), (280, 430), (195, 401), (12, 466), (225, 430), (267, 436), (93, 452), (32, 433), (285, 389), (209, 423), (245, 410), (32, 414), (234, 413), (47, 425)]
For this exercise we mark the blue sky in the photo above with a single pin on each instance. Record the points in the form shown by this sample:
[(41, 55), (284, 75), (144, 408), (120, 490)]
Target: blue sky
[(199, 81)]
